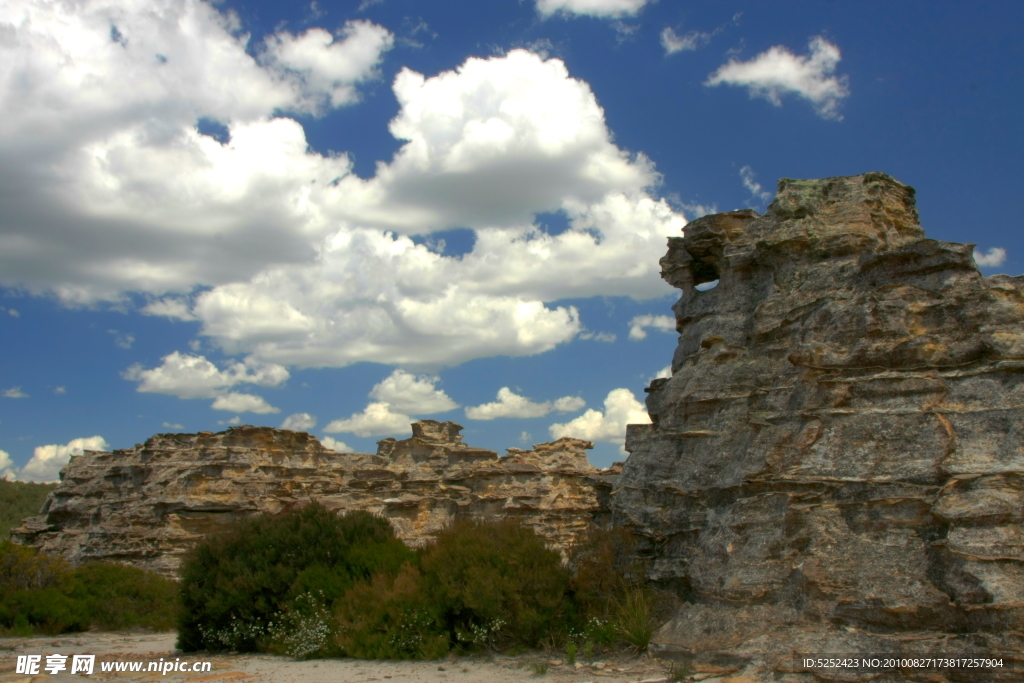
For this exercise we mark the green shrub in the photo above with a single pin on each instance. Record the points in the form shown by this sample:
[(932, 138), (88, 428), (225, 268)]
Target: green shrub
[(605, 567), (599, 630), (482, 574), (391, 617), (311, 584), (47, 610), (18, 500), (20, 628), (479, 585), (25, 569), (305, 630), (236, 584), (119, 597), (34, 592), (41, 593)]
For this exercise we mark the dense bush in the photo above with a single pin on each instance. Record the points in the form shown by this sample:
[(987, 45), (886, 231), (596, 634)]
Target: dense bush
[(391, 617), (26, 569), (35, 593), (310, 583), (40, 593), (117, 597), (605, 568), (497, 580), (48, 610), (481, 584), (19, 500), (305, 630), (237, 588)]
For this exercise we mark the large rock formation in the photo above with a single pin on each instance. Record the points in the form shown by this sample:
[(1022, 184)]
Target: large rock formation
[(836, 464), (148, 505)]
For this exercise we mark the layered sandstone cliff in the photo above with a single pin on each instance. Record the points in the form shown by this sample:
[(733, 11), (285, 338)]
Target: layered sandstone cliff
[(837, 464), (148, 505)]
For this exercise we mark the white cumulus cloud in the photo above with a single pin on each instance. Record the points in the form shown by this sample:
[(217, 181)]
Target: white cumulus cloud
[(409, 393), (187, 376), (299, 422), (995, 257), (120, 192), (15, 392), (279, 251), (325, 67), (639, 324), (396, 396), (234, 402), (777, 71), (495, 141), (173, 425), (377, 419), (173, 307), (332, 444), (47, 461), (621, 408), (489, 146), (591, 8), (511, 404), (7, 469), (568, 404)]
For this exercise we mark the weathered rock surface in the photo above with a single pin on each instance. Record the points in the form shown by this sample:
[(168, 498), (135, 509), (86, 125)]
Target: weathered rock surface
[(837, 463), (148, 505)]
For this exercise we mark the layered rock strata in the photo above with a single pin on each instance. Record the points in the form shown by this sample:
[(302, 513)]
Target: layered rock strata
[(836, 465), (147, 505)]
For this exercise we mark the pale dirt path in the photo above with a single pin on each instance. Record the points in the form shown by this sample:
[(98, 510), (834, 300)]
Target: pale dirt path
[(264, 668)]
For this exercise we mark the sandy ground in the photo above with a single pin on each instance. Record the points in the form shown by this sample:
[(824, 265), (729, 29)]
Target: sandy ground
[(258, 668)]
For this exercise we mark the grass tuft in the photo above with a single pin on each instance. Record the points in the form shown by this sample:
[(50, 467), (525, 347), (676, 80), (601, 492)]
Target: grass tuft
[(539, 668), (633, 619)]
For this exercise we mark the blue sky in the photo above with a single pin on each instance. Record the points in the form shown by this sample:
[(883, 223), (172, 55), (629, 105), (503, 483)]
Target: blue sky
[(343, 216)]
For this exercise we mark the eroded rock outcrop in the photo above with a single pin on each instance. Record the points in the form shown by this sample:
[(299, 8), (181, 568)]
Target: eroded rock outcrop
[(147, 505), (836, 464)]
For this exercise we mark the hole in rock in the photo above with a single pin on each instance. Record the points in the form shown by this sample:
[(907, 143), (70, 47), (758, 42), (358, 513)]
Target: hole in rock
[(705, 269)]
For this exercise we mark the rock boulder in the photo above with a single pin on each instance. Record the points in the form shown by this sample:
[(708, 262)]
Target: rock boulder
[(836, 465)]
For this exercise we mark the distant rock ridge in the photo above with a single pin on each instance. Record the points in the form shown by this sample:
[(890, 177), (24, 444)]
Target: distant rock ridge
[(147, 505), (836, 465)]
